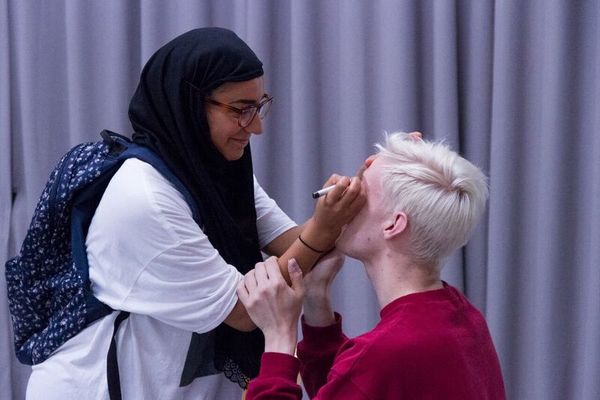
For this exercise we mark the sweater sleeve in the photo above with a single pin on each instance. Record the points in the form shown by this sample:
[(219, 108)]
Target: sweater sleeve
[(316, 354), (277, 379), (317, 351)]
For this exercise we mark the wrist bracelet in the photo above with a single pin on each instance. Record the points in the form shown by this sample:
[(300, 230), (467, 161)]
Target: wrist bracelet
[(310, 247)]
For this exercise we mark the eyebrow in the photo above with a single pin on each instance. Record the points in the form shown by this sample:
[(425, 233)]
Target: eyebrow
[(245, 101), (250, 102)]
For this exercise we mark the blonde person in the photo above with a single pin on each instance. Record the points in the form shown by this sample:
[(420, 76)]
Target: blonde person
[(423, 201)]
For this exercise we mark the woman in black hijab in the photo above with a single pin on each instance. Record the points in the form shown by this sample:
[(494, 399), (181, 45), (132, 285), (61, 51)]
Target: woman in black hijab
[(199, 99), (214, 164)]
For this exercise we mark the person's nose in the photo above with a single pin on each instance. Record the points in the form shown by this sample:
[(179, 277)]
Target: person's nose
[(256, 126), (366, 164), (370, 160)]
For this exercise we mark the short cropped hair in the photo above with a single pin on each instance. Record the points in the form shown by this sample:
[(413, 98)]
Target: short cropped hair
[(442, 194)]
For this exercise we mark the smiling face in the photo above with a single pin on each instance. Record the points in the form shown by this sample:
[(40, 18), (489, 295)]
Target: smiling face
[(225, 132), (363, 236)]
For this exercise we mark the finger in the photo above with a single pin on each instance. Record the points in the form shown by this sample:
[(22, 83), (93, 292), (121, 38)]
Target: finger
[(242, 292), (295, 275), (353, 207), (272, 268), (336, 194), (353, 190), (356, 185), (363, 189), (366, 164), (333, 179), (362, 170), (250, 280), (360, 200), (261, 272)]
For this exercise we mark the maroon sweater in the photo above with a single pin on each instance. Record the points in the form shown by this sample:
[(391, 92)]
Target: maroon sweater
[(429, 345)]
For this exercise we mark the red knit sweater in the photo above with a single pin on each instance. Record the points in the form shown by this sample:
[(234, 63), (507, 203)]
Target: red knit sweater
[(429, 345)]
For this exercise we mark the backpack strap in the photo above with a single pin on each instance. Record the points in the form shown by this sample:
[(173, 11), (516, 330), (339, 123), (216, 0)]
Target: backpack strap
[(112, 366), (126, 149), (121, 148)]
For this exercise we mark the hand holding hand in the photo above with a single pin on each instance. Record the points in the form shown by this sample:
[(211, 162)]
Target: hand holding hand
[(273, 305)]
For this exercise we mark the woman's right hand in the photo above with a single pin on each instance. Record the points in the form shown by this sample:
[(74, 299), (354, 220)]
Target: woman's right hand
[(338, 207), (319, 233)]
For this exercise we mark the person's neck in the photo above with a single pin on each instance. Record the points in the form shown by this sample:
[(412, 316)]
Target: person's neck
[(394, 275)]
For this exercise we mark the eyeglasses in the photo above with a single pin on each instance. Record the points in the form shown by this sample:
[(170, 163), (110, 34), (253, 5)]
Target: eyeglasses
[(247, 114)]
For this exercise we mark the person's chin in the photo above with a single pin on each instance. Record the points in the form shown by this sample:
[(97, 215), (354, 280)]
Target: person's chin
[(237, 157), (346, 243), (235, 151), (233, 154)]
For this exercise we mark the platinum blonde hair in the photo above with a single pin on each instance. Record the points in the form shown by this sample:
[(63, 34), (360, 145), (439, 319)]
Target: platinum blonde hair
[(442, 194)]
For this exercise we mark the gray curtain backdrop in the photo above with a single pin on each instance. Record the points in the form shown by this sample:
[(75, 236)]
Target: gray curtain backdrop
[(513, 85)]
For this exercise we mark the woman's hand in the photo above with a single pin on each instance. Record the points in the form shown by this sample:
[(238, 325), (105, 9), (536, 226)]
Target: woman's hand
[(273, 305), (338, 207), (333, 211)]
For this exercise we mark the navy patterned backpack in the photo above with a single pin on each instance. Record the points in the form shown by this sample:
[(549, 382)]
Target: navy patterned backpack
[(49, 294)]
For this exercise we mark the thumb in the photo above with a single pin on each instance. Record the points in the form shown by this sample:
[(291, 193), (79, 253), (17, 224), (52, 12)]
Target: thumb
[(295, 275)]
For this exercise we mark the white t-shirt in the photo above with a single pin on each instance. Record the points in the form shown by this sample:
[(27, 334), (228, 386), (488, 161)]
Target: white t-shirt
[(148, 256)]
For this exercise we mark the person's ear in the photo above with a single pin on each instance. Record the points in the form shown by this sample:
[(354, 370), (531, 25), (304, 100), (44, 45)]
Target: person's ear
[(395, 225)]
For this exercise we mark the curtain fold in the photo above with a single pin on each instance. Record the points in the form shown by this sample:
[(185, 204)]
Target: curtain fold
[(7, 358), (512, 85)]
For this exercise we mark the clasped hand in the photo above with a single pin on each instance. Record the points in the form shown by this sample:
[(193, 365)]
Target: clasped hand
[(272, 304), (275, 307)]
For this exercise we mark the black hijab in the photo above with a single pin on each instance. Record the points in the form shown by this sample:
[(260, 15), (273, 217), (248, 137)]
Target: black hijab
[(167, 114)]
